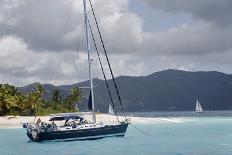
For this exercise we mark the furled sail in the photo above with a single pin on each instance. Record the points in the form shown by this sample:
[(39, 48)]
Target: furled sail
[(90, 107)]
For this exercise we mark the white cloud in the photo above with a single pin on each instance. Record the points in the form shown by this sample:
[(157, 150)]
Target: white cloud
[(20, 65), (36, 46)]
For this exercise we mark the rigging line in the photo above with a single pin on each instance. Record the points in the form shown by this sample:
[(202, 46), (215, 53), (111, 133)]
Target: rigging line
[(80, 44), (65, 26), (78, 48), (103, 72), (104, 48), (143, 132), (54, 66), (58, 55), (82, 76)]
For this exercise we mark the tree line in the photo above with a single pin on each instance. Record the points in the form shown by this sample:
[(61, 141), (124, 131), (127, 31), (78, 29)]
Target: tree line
[(12, 102)]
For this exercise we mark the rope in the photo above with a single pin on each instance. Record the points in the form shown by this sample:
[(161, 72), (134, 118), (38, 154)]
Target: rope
[(103, 45), (103, 72), (139, 130)]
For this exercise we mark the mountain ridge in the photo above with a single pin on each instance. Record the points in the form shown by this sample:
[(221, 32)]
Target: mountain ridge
[(167, 90)]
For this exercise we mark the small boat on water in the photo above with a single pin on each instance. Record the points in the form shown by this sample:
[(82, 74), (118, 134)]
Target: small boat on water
[(111, 111), (199, 108), (73, 126)]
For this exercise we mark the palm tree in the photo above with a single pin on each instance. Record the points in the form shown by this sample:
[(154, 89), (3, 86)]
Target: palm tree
[(40, 90), (5, 105), (8, 94), (35, 99), (74, 98), (56, 97)]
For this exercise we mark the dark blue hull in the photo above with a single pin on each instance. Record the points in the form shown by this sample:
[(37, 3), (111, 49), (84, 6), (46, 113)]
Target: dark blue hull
[(84, 134)]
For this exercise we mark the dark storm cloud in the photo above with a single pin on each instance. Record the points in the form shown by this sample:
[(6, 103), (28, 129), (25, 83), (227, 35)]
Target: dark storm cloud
[(217, 11), (197, 38)]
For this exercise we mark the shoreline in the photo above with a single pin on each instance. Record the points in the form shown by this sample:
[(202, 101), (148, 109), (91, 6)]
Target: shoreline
[(15, 122)]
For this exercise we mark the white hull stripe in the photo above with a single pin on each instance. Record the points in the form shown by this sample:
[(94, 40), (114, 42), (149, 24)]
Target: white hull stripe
[(89, 137)]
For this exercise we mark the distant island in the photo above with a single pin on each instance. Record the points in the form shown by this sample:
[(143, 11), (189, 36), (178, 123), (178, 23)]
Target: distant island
[(168, 90)]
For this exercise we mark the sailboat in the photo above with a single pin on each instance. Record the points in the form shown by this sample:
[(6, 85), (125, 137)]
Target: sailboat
[(73, 126), (111, 111), (199, 108)]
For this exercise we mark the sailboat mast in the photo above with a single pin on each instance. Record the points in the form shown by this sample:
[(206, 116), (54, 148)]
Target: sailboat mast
[(89, 61)]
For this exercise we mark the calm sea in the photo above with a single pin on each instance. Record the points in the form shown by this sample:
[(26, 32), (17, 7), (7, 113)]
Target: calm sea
[(171, 136)]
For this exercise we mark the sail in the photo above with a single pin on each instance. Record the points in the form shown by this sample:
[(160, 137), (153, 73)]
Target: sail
[(198, 107), (111, 111), (90, 107)]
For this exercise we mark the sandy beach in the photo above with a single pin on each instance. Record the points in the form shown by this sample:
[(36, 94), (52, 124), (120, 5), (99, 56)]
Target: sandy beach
[(17, 121)]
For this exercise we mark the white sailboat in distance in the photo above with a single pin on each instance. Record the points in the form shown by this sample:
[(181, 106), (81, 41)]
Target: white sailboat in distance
[(199, 108), (111, 111)]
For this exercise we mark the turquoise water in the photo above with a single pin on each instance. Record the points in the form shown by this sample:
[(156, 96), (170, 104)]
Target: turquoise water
[(189, 136)]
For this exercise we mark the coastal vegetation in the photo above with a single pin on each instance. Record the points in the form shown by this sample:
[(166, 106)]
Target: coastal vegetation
[(12, 102)]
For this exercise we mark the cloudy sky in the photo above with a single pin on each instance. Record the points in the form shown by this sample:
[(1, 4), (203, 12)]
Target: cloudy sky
[(43, 41)]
